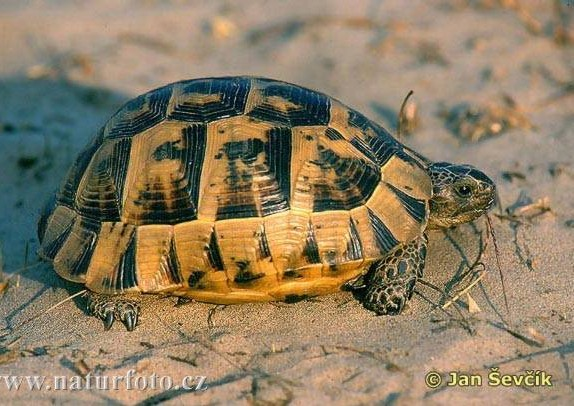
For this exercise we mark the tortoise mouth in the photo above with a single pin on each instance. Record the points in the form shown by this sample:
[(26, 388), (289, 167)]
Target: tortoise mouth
[(480, 206), (487, 201), (490, 204), (483, 202), (486, 197)]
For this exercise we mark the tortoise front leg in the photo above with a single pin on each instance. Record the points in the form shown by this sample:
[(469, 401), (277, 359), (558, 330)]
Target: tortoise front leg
[(111, 307), (390, 281)]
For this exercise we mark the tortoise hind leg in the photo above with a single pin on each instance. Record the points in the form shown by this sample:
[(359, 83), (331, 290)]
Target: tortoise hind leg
[(111, 307), (390, 281)]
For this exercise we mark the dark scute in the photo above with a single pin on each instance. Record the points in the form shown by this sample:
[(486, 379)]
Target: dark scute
[(355, 182), (312, 108), (358, 120), (233, 93), (108, 178), (242, 265), (168, 150), (67, 193), (415, 208), (245, 274), (240, 202), (173, 265), (121, 154), (126, 277), (100, 199), (354, 246), (50, 250), (156, 210), (246, 150), (264, 250), (214, 254), (311, 250), (194, 279), (133, 117), (384, 238), (196, 137), (234, 211), (379, 145), (183, 193), (278, 160), (333, 134), (408, 158), (83, 261), (365, 149)]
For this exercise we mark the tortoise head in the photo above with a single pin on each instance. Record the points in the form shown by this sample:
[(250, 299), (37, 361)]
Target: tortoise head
[(461, 193)]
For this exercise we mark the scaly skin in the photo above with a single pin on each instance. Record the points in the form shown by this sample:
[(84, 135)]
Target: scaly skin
[(391, 281)]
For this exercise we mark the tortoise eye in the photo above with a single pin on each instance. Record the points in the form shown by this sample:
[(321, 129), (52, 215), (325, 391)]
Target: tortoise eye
[(464, 190)]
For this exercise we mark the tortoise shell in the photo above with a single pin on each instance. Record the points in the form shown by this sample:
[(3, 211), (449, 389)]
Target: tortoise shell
[(234, 189)]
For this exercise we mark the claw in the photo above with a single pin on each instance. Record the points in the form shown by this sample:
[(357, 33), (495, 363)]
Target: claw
[(128, 314), (108, 319), (355, 284), (110, 308), (395, 308), (410, 288), (130, 319)]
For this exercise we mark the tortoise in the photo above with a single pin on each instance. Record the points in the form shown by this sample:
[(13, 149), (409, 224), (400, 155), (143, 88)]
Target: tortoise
[(246, 189)]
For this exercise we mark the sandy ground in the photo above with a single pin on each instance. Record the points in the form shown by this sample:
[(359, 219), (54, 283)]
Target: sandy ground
[(66, 66)]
